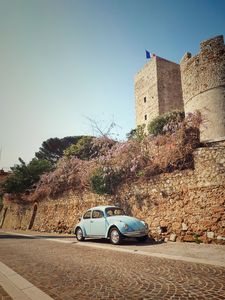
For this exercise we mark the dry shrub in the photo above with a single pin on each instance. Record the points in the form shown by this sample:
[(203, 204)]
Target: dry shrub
[(173, 151), (125, 158), (154, 155), (70, 174), (128, 160)]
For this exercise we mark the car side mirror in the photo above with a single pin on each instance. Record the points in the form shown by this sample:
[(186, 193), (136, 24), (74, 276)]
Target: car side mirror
[(79, 219)]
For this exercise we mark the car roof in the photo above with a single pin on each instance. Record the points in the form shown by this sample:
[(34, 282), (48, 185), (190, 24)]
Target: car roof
[(102, 207)]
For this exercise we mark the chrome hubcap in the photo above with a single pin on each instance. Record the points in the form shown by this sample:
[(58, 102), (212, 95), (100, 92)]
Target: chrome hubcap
[(115, 236), (79, 234)]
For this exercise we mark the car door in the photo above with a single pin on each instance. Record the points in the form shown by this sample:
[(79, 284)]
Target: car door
[(98, 223), (86, 222)]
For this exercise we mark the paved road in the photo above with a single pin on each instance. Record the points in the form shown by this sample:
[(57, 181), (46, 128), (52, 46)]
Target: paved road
[(66, 272), (4, 295)]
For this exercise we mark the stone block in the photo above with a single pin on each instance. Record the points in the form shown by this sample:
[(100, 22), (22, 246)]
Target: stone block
[(176, 226), (184, 227), (220, 237), (173, 237), (210, 235), (218, 210), (188, 238), (163, 223)]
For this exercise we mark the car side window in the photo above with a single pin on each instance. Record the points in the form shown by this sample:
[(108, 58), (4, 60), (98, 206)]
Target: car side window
[(87, 215), (96, 214), (109, 212)]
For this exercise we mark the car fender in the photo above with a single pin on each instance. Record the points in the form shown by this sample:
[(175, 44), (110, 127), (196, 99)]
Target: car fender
[(82, 228), (118, 225)]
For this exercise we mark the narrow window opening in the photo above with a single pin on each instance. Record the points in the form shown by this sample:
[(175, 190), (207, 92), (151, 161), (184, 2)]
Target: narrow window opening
[(145, 117), (144, 99)]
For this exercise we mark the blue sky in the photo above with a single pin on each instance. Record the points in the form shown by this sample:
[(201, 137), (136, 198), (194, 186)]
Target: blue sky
[(62, 61)]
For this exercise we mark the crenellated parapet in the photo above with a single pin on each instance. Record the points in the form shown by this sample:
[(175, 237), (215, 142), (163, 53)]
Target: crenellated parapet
[(205, 70)]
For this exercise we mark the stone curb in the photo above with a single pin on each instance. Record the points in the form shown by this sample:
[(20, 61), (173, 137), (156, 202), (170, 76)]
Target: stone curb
[(140, 252), (18, 287)]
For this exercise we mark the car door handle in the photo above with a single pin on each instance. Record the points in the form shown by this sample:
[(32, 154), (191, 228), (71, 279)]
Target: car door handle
[(92, 221)]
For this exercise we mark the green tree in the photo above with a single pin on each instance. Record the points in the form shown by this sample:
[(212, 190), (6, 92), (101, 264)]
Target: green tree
[(24, 176), (82, 149), (166, 122), (52, 149), (90, 147)]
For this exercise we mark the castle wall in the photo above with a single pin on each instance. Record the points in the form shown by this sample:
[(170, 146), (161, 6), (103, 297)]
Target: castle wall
[(211, 103), (203, 85), (186, 203), (146, 93), (169, 86)]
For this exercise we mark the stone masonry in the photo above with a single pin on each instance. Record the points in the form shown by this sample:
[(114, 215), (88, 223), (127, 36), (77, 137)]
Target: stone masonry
[(203, 85), (155, 91), (186, 205), (158, 88)]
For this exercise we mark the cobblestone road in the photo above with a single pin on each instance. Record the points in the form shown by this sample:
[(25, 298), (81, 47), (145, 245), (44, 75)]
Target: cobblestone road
[(4, 295), (67, 272)]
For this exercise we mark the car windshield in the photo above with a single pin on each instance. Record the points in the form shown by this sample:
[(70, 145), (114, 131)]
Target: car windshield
[(114, 211)]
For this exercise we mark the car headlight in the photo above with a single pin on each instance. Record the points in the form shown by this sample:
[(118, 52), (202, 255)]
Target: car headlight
[(145, 224)]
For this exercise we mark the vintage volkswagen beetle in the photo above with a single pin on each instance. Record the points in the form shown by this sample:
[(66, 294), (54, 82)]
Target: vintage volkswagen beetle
[(110, 222)]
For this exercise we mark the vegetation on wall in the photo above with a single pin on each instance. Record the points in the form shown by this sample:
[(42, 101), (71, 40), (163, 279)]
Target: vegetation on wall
[(123, 161), (104, 180), (82, 149), (166, 122), (89, 147), (137, 133), (24, 175), (102, 164)]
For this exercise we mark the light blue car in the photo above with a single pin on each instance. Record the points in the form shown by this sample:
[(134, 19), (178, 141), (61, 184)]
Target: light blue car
[(110, 222)]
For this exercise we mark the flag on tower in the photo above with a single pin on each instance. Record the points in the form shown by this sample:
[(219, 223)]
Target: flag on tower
[(149, 54)]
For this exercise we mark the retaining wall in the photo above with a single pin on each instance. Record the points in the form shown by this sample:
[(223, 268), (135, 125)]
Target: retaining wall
[(186, 205)]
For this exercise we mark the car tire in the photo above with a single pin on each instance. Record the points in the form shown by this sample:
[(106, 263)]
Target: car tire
[(115, 236), (79, 234), (142, 238)]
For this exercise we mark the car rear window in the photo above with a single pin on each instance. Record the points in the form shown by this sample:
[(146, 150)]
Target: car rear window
[(114, 211)]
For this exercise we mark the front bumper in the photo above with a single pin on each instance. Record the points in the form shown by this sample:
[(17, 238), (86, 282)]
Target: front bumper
[(137, 233)]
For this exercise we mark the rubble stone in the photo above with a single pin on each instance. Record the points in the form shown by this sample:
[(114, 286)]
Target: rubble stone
[(173, 237), (210, 235)]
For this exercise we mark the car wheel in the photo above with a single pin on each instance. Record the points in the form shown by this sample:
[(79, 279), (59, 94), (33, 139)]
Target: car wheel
[(115, 236), (142, 238), (79, 235)]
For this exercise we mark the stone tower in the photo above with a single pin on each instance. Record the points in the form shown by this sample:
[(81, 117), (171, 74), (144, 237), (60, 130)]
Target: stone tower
[(157, 90), (203, 85)]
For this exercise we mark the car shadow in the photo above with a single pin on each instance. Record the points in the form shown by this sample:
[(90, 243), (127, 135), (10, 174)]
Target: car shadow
[(104, 241), (125, 242), (17, 236)]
